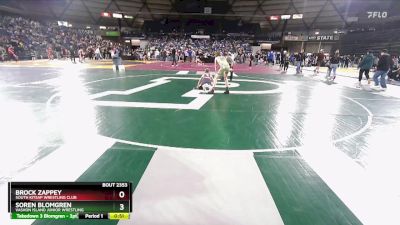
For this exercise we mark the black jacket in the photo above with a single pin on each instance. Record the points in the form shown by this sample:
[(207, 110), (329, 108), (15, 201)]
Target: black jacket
[(299, 57), (384, 62), (334, 59)]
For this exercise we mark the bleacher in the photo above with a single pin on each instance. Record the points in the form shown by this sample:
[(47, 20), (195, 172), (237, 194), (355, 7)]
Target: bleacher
[(375, 41)]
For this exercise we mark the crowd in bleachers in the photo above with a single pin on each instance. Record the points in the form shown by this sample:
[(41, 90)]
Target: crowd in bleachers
[(22, 38), (357, 42), (189, 48)]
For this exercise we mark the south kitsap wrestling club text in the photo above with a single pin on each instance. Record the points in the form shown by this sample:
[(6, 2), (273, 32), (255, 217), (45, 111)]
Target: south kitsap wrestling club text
[(44, 206)]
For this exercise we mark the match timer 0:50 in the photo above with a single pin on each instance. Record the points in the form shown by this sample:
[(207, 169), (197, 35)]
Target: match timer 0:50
[(118, 216)]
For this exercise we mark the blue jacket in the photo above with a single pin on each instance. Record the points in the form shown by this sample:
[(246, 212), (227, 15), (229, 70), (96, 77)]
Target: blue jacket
[(367, 62)]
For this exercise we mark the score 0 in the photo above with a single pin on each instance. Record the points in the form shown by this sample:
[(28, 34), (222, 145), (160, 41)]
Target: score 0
[(121, 194)]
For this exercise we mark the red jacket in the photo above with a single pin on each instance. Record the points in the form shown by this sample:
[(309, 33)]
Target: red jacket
[(10, 50)]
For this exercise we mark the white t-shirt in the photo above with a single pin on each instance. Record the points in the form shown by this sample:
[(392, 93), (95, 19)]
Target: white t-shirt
[(222, 62)]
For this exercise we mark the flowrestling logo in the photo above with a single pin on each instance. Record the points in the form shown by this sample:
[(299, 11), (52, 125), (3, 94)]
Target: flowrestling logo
[(377, 14)]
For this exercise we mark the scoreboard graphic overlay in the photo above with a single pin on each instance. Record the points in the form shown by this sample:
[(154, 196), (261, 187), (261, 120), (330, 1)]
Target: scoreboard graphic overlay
[(70, 200)]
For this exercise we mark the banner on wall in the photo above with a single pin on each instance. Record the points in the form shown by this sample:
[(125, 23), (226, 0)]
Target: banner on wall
[(135, 42), (323, 38), (291, 38), (295, 38), (200, 36), (265, 46)]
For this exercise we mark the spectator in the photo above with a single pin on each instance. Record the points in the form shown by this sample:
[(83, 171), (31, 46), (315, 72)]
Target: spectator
[(320, 60), (50, 55), (365, 66), (173, 55), (346, 61), (299, 59), (393, 67), (333, 64), (285, 61), (81, 55), (11, 53), (116, 58), (382, 69), (97, 54), (2, 54), (251, 57), (72, 53)]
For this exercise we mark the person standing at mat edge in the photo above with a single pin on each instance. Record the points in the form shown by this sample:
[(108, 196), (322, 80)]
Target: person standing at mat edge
[(299, 60), (173, 54), (320, 60), (11, 53), (116, 58), (364, 66), (333, 65), (251, 57), (381, 70), (231, 59), (72, 52), (223, 70)]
